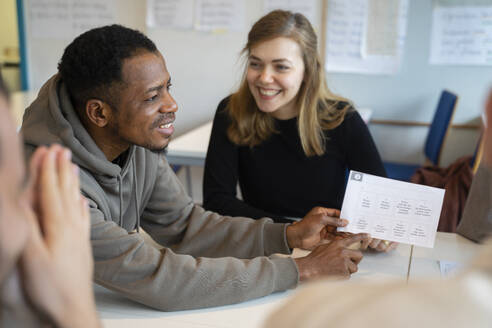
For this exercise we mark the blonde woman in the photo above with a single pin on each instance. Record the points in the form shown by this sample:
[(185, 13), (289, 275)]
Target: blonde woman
[(283, 135)]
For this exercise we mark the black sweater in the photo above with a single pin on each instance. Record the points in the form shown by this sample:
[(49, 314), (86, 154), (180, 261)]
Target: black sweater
[(276, 178)]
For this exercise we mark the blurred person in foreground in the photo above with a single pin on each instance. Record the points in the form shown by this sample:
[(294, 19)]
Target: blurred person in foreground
[(45, 257)]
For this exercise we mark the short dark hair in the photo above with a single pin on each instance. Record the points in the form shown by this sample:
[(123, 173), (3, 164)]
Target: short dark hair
[(92, 63)]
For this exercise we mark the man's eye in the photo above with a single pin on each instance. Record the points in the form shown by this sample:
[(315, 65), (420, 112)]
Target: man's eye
[(169, 85), (151, 98)]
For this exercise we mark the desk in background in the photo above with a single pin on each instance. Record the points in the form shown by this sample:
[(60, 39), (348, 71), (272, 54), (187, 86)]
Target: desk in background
[(117, 311)]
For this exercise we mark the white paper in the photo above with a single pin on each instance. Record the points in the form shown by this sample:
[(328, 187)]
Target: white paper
[(346, 32), (392, 210), (65, 19), (88, 14), (170, 14), (213, 15), (381, 37), (461, 36), (50, 18), (305, 7), (449, 268)]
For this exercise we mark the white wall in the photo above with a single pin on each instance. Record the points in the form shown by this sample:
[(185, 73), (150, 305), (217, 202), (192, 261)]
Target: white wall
[(205, 67)]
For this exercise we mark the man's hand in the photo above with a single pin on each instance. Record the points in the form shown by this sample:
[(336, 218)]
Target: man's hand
[(333, 259), (57, 263), (379, 245), (316, 228)]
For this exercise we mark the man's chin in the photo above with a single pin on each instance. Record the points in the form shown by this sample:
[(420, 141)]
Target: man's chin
[(161, 150)]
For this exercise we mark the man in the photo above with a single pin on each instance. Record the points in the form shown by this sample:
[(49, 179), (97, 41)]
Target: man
[(464, 301), (44, 277), (110, 104)]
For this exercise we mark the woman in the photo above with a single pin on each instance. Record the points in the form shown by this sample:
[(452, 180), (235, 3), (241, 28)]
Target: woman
[(283, 135)]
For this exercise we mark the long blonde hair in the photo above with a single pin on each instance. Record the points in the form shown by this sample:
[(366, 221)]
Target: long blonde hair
[(319, 109)]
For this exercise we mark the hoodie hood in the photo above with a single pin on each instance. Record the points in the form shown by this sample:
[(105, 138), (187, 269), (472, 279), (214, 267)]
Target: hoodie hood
[(51, 118)]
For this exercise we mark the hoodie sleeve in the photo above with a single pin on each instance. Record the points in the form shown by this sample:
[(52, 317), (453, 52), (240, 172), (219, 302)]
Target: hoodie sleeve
[(162, 279), (195, 269), (172, 220)]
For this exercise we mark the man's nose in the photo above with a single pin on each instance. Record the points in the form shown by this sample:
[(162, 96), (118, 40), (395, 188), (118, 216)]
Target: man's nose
[(168, 105)]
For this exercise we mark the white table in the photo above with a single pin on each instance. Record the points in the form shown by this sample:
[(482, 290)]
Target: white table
[(117, 311), (191, 147), (449, 247)]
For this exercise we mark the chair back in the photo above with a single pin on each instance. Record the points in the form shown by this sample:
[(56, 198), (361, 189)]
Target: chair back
[(440, 126)]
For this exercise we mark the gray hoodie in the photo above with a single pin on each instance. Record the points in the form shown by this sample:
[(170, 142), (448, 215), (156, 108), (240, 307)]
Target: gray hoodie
[(207, 259)]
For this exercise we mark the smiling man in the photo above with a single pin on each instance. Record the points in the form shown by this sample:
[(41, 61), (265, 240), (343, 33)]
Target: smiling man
[(110, 104)]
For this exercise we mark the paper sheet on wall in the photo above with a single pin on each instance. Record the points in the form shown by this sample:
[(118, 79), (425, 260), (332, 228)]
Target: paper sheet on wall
[(65, 19), (461, 36), (392, 210), (305, 7), (170, 14), (355, 47), (381, 32), (212, 15)]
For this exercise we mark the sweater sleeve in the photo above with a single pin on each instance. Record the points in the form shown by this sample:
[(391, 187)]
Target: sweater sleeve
[(362, 154), (195, 268), (476, 222), (221, 174)]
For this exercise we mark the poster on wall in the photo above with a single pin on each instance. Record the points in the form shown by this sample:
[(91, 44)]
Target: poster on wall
[(365, 36), (306, 7), (65, 19), (220, 15), (176, 14), (461, 35)]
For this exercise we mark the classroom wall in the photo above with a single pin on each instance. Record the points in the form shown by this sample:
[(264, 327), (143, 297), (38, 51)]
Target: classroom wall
[(205, 67), (8, 28), (412, 95)]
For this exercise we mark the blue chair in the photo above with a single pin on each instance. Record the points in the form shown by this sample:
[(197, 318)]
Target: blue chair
[(435, 139)]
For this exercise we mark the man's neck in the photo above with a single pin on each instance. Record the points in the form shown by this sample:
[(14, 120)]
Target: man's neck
[(111, 150), (106, 142)]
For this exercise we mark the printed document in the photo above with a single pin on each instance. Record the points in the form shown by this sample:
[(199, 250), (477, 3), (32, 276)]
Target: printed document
[(392, 210)]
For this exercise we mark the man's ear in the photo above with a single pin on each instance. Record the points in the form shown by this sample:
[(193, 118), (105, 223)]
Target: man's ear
[(98, 112)]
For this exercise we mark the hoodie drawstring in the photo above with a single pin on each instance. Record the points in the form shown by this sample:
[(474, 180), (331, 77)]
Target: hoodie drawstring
[(120, 184), (135, 194)]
